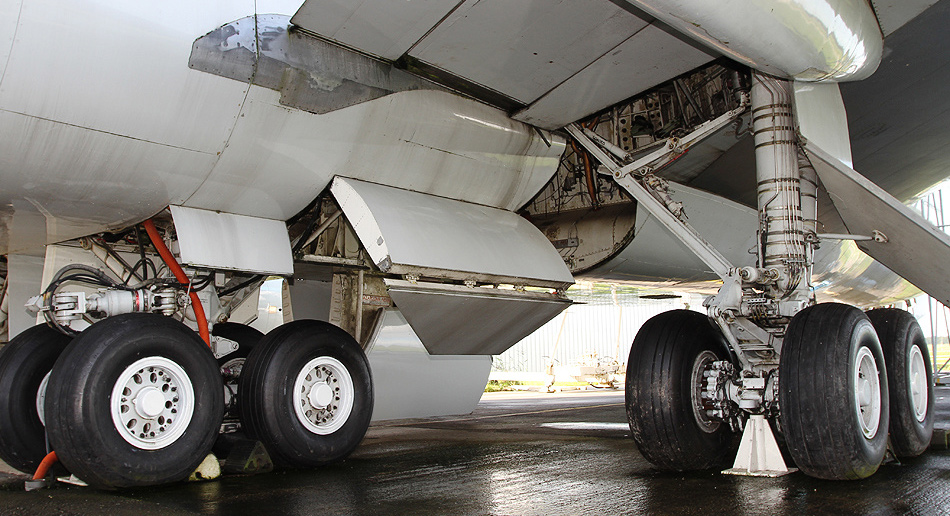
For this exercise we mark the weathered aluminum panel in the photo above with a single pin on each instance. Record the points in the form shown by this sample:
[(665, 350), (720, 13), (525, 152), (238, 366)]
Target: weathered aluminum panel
[(235, 242), (384, 28), (648, 58), (914, 248), (524, 49), (809, 40), (407, 232), (119, 68), (310, 73), (279, 159), (453, 320), (409, 382)]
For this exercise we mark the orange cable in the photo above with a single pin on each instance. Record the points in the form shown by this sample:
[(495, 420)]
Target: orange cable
[(182, 278), (45, 465)]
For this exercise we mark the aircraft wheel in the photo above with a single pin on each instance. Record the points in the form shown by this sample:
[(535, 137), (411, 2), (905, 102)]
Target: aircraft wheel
[(135, 400), (664, 383), (232, 364), (307, 394), (833, 393), (908, 378), (25, 363)]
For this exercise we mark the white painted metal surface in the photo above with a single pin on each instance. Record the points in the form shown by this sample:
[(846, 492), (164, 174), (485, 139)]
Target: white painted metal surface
[(914, 248), (453, 320), (405, 232), (117, 120), (822, 119), (525, 49), (646, 59), (384, 28), (234, 242), (152, 403), (410, 383), (279, 159), (655, 253), (759, 454), (323, 395), (809, 40), (893, 14)]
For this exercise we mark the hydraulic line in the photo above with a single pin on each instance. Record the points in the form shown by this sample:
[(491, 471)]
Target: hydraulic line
[(782, 235), (182, 278)]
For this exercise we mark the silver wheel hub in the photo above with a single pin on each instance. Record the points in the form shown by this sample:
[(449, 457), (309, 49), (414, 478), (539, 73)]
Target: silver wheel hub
[(867, 392), (152, 403), (918, 380), (41, 399), (323, 395), (700, 365)]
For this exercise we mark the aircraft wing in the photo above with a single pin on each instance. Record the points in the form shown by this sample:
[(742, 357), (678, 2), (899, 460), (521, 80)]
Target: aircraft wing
[(548, 63)]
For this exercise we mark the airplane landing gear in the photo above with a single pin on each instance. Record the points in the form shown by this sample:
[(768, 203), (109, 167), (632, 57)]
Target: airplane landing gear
[(665, 382), (908, 378), (24, 364), (135, 400), (306, 393), (833, 393)]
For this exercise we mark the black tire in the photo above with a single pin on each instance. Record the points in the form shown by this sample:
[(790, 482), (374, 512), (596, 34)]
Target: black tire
[(823, 349), (908, 371), (268, 390), (232, 364), (106, 357), (662, 388), (24, 363)]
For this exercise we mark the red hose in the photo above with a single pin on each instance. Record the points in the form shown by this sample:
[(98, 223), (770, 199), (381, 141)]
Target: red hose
[(181, 277), (45, 465)]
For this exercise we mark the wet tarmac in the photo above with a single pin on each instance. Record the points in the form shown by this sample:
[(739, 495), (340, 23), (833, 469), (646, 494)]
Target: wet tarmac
[(519, 453)]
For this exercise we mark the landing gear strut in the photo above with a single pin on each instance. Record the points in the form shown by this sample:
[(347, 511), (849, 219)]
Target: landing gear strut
[(818, 371)]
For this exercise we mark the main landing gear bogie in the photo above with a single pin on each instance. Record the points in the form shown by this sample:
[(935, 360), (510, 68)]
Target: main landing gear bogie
[(846, 380)]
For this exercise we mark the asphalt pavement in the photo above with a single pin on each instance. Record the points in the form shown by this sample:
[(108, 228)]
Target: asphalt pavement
[(518, 453)]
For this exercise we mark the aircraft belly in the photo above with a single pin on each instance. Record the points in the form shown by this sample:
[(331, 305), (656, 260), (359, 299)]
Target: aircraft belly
[(9, 13), (279, 159), (122, 69), (60, 181)]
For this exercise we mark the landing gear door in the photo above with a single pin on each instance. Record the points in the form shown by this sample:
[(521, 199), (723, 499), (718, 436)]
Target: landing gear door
[(460, 273), (894, 234), (458, 320)]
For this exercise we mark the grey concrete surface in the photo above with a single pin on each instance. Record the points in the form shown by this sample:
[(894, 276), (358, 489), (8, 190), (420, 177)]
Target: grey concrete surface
[(518, 453)]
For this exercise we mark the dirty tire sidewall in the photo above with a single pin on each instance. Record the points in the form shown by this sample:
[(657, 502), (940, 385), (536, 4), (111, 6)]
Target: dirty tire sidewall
[(817, 393), (899, 333), (267, 403), (78, 402), (659, 394), (24, 362)]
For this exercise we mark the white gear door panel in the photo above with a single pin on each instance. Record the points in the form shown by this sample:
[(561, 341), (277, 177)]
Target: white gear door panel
[(411, 233), (914, 248), (455, 320)]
